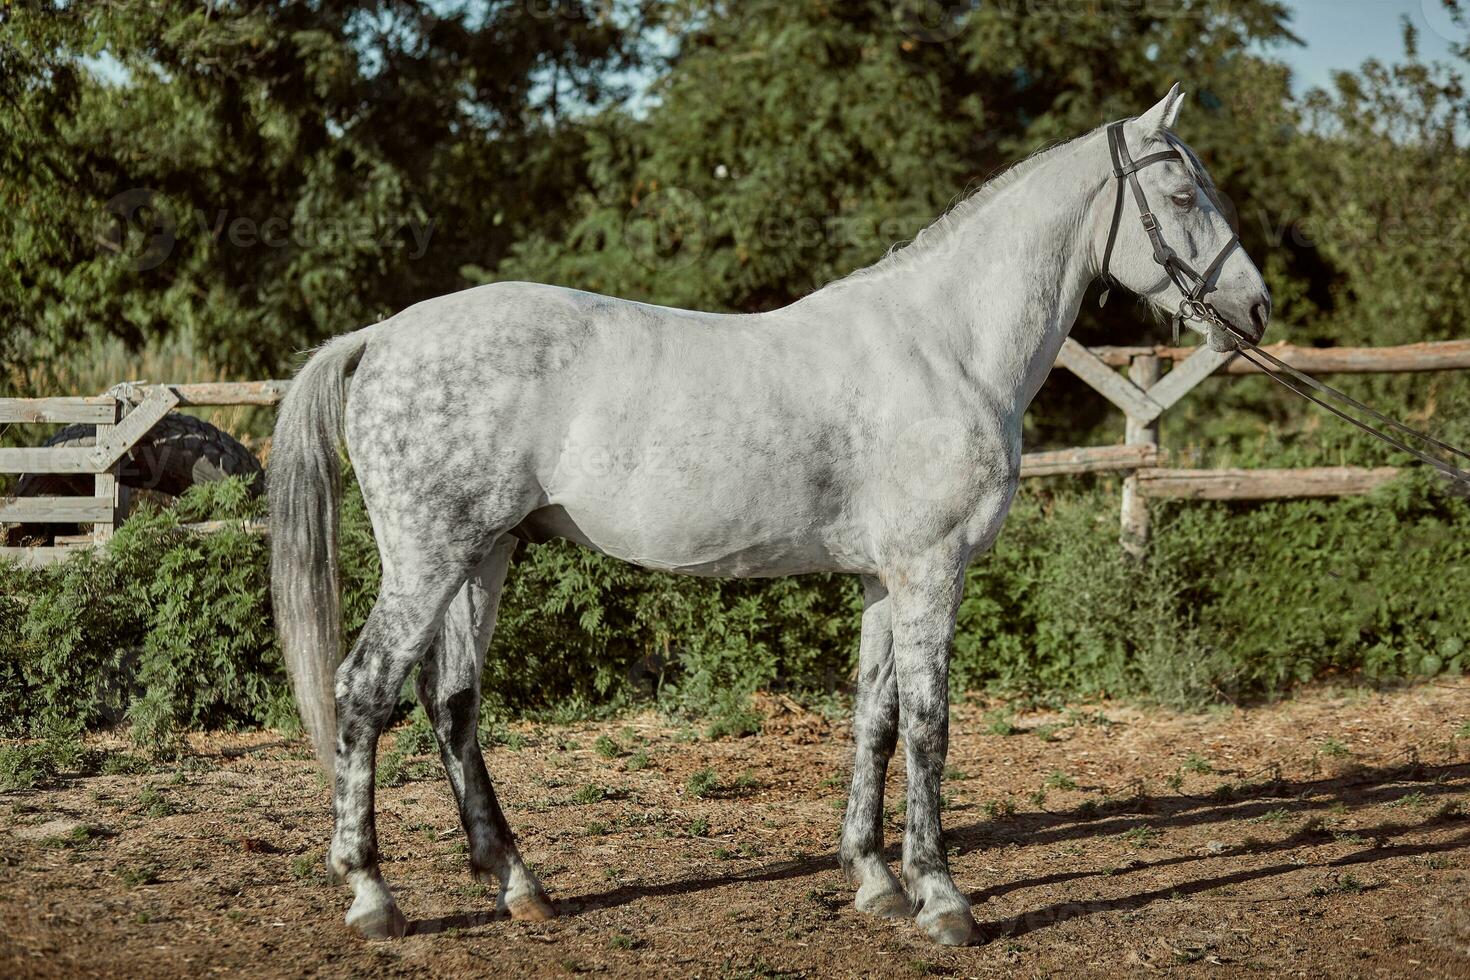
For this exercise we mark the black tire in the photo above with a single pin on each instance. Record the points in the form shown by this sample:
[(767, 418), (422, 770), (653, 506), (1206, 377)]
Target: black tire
[(178, 452)]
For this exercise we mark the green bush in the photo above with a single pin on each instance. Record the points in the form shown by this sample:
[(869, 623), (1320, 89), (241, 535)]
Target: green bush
[(165, 629), (168, 630)]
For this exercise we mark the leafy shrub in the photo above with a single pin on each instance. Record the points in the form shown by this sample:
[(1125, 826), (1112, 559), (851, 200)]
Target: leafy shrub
[(164, 629), (169, 630)]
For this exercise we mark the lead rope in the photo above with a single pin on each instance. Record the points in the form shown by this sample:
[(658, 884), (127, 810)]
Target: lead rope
[(1248, 348)]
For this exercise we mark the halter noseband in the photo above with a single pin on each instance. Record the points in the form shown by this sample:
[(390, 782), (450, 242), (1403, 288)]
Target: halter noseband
[(1194, 286)]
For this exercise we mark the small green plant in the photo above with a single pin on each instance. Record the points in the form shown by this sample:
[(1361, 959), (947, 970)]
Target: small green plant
[(950, 772), (623, 941), (733, 718), (699, 827), (155, 804), (1047, 733), (1060, 780), (1343, 884), (1334, 749), (745, 782), (1174, 782), (417, 738), (703, 783), (1142, 836), (1037, 798), (82, 837), (1000, 809), (1277, 816), (590, 793), (1087, 810), (637, 762), (304, 866), (1464, 730), (1000, 722), (1198, 764), (606, 747), (122, 764), (1415, 799), (136, 877), (56, 748)]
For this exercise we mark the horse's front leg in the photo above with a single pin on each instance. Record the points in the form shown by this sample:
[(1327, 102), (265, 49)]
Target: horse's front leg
[(925, 595), (875, 732)]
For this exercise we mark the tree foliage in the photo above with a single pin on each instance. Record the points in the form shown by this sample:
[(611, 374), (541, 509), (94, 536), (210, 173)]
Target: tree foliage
[(261, 175)]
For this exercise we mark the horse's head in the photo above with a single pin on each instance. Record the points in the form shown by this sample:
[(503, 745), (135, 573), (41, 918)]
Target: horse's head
[(1168, 236)]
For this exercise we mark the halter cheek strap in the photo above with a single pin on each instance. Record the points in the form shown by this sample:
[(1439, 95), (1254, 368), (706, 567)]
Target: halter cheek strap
[(1194, 286)]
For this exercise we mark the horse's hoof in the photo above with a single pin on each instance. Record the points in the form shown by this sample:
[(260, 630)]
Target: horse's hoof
[(952, 928), (889, 905), (535, 907), (378, 923)]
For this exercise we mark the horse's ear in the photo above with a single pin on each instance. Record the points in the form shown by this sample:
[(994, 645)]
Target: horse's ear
[(1164, 115)]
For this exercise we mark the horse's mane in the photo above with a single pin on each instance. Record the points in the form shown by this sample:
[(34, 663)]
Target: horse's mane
[(902, 254)]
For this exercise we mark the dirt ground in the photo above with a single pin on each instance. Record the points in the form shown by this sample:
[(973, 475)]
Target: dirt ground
[(1324, 836)]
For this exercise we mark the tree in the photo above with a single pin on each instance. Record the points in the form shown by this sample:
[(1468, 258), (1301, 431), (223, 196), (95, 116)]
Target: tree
[(259, 175)]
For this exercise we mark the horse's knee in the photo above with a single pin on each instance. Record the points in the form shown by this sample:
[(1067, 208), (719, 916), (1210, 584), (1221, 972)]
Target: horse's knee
[(927, 735)]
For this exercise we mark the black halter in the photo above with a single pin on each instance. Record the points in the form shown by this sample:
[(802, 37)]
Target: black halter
[(1194, 286)]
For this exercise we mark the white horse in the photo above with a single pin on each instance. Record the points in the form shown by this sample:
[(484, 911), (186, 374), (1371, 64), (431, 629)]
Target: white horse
[(873, 427)]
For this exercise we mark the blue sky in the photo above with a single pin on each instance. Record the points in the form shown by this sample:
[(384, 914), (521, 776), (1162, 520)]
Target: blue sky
[(1343, 33)]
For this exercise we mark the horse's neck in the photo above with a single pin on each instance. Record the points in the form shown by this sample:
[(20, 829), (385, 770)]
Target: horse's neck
[(1002, 287)]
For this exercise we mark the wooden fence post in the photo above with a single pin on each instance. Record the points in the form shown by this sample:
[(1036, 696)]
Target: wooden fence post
[(1143, 371), (105, 484)]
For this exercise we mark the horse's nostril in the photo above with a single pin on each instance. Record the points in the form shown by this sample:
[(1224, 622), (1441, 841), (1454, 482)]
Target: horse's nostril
[(1260, 316)]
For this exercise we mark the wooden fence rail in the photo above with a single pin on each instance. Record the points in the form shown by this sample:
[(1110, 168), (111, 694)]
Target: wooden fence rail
[(1147, 391)]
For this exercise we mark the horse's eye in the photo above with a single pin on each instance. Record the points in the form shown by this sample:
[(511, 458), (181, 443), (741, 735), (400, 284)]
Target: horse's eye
[(1183, 200)]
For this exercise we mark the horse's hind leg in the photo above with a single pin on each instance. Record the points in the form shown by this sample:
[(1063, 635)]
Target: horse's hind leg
[(875, 730), (396, 634), (449, 687)]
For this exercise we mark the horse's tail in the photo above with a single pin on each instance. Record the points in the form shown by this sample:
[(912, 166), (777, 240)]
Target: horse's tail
[(305, 487)]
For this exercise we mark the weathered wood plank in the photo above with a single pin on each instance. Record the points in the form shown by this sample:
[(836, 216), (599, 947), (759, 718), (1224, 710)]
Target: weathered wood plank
[(99, 409), (231, 393), (1107, 382), (55, 510), (1134, 526), (1186, 376), (214, 527), (46, 461), (1442, 355), (35, 557), (1326, 481), (1093, 459), (112, 444)]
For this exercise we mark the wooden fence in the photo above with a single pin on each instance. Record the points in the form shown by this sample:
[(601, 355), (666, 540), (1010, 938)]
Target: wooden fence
[(127, 413)]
